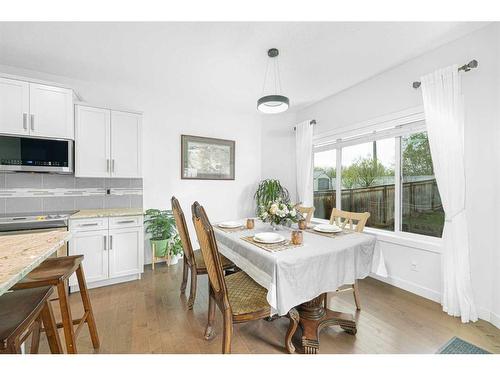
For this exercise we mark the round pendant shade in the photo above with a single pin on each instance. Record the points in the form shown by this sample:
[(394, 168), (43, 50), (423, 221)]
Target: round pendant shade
[(273, 104)]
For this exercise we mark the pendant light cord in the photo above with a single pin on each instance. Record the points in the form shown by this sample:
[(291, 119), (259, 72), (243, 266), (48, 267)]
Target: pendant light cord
[(265, 78)]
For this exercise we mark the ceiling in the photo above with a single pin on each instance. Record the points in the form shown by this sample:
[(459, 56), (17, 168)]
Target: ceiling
[(222, 61)]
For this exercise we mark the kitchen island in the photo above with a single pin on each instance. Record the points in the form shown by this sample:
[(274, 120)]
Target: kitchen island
[(20, 254)]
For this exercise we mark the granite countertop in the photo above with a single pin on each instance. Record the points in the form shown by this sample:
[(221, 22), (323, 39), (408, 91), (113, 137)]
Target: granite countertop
[(107, 212), (21, 253)]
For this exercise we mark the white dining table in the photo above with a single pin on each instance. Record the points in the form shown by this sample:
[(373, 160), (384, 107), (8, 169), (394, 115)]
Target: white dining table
[(300, 276)]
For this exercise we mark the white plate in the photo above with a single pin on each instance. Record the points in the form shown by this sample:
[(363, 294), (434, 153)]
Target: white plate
[(230, 224), (327, 228), (268, 237)]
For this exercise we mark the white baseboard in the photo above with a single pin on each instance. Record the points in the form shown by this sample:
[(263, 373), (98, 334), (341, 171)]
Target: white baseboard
[(495, 319), (98, 284), (409, 286), (435, 296)]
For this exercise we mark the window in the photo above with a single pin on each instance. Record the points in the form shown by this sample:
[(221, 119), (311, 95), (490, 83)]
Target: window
[(422, 211), (325, 171), (388, 174), (368, 181)]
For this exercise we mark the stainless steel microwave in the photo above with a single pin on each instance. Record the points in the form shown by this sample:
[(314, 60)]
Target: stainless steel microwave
[(25, 154)]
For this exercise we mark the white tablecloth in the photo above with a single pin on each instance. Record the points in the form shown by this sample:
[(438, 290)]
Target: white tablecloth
[(299, 274)]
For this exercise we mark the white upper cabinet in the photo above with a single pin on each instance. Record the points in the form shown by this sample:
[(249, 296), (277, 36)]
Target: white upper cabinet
[(36, 110), (92, 146), (14, 106), (51, 111), (126, 144), (108, 143)]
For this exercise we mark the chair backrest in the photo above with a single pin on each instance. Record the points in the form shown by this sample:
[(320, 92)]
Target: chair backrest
[(307, 212), (180, 222), (210, 252), (342, 218)]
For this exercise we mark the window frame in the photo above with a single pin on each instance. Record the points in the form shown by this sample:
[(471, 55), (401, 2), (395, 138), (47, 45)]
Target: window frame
[(396, 125)]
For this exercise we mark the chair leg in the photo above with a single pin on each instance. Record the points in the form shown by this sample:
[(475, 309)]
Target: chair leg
[(35, 335), (325, 301), (49, 323), (184, 276), (357, 299), (209, 331), (228, 332), (67, 320), (192, 291), (87, 306)]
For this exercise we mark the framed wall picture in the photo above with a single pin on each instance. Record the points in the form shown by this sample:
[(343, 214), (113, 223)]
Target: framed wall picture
[(206, 158)]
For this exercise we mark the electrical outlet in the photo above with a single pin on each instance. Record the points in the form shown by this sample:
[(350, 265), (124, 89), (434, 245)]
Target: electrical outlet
[(414, 266)]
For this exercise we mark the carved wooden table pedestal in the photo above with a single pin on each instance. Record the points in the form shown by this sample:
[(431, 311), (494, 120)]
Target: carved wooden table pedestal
[(313, 317)]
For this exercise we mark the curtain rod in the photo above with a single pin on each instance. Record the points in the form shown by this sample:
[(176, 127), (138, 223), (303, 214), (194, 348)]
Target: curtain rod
[(470, 65), (312, 122)]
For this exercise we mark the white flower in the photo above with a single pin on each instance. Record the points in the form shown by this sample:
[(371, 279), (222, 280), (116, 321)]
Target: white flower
[(293, 212), (273, 209), (264, 215)]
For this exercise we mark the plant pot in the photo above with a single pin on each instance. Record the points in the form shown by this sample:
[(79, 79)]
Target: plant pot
[(160, 247), (173, 259)]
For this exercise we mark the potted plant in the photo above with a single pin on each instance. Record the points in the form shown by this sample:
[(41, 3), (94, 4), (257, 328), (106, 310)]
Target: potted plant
[(160, 224), (174, 249), (270, 191)]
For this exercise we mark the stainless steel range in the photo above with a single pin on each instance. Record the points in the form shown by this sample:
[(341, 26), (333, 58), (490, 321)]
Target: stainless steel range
[(36, 222)]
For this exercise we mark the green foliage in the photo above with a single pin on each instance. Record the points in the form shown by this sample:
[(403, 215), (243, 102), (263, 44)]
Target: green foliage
[(416, 155), (364, 173), (175, 245), (271, 191), (160, 224)]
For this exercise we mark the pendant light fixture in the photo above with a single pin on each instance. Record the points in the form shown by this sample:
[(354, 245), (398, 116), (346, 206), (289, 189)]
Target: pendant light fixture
[(274, 103)]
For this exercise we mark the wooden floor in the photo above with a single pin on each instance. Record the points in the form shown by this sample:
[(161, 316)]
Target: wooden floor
[(150, 316)]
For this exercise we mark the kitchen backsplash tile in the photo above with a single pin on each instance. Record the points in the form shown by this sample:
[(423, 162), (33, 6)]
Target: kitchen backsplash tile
[(88, 203), (83, 193), (82, 183), (58, 204), (20, 205), (116, 201), (136, 201), (23, 180), (58, 181)]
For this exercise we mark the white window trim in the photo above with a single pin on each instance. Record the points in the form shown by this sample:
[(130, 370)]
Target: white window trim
[(394, 125)]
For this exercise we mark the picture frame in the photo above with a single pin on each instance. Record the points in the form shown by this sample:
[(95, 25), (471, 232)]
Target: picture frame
[(204, 158)]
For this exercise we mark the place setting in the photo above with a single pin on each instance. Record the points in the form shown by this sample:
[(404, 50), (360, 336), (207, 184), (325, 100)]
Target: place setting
[(272, 241)]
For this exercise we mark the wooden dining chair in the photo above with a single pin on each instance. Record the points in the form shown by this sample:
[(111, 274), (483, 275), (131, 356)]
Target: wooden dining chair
[(307, 213), (238, 296), (356, 222), (193, 260)]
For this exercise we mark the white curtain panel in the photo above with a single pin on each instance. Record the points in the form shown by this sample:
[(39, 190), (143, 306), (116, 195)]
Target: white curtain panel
[(304, 162), (444, 116)]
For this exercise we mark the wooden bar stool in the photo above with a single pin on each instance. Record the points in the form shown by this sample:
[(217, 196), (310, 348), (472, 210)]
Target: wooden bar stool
[(21, 314), (56, 272)]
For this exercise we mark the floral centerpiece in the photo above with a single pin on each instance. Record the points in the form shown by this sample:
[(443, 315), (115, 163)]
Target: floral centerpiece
[(278, 213)]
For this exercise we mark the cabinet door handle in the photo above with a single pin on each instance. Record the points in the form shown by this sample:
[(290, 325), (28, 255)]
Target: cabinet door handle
[(113, 165), (25, 121), (105, 243), (32, 122), (110, 242), (107, 165), (125, 222), (89, 224)]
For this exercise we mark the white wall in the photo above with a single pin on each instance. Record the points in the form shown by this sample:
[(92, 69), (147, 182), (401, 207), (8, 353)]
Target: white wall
[(390, 92), (165, 119)]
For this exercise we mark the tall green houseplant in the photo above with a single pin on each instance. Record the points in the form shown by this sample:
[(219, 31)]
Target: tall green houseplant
[(271, 191), (160, 224)]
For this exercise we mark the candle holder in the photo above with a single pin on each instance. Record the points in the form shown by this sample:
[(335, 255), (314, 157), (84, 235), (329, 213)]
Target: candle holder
[(297, 237), (250, 223), (302, 224)]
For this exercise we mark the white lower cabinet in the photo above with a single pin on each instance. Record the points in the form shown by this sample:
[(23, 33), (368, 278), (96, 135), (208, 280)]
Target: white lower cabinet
[(124, 259), (113, 250)]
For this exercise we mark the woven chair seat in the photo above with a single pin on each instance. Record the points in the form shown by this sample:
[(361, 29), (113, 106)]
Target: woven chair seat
[(245, 295), (200, 263)]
